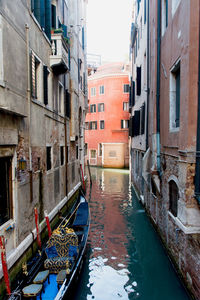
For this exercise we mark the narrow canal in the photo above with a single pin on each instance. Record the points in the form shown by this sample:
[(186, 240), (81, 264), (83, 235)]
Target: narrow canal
[(125, 258)]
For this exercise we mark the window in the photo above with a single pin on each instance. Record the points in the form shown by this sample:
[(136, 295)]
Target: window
[(175, 97), (73, 171), (100, 149), (42, 12), (93, 153), (164, 15), (35, 76), (173, 197), (126, 88), (67, 154), (76, 151), (86, 149), (5, 189), (61, 155), (101, 90), (138, 81), (125, 106), (93, 91), (48, 158), (45, 84), (93, 108), (102, 124), (67, 104), (124, 124), (61, 98), (93, 125), (100, 107), (86, 125)]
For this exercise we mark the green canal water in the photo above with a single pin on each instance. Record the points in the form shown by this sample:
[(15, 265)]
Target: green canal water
[(125, 258)]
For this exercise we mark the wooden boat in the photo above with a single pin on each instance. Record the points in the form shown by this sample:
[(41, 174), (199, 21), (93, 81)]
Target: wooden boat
[(51, 274)]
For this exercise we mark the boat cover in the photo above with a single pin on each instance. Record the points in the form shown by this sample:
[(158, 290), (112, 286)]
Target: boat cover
[(81, 215)]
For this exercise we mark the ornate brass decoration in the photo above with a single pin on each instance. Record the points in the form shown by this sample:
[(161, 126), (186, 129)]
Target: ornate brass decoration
[(24, 269)]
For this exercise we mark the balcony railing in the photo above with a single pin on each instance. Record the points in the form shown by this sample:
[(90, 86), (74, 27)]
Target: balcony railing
[(59, 59)]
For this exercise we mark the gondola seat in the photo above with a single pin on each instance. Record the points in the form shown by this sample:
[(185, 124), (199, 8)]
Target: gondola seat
[(32, 290), (61, 249)]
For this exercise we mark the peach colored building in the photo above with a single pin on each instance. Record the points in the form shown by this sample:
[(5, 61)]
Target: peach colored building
[(107, 121)]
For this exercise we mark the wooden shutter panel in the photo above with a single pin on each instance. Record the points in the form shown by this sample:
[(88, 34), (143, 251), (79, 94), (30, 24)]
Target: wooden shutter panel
[(90, 125), (177, 121), (94, 107), (143, 119), (121, 124), (48, 18), (95, 124), (42, 14), (130, 126), (83, 38), (37, 9), (138, 81), (45, 82), (99, 107), (53, 16), (137, 123), (67, 104)]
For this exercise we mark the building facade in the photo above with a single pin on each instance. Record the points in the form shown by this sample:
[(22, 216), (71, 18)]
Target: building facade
[(43, 100), (168, 183), (107, 121)]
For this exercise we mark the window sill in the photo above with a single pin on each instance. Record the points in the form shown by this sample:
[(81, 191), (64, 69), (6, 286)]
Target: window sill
[(174, 130), (185, 229)]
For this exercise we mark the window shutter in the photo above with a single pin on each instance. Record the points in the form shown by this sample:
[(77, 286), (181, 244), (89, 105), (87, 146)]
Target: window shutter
[(137, 123), (166, 13), (177, 121), (95, 124), (145, 11), (31, 77), (53, 16), (122, 124), (32, 5), (67, 104), (83, 38), (94, 107), (130, 126), (48, 18), (90, 125), (138, 81), (143, 119), (64, 28), (37, 9), (99, 107), (42, 14), (45, 82)]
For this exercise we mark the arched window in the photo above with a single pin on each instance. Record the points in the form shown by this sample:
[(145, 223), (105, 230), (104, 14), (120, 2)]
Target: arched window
[(173, 197)]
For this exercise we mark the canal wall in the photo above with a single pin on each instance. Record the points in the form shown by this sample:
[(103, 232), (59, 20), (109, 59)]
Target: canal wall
[(182, 248)]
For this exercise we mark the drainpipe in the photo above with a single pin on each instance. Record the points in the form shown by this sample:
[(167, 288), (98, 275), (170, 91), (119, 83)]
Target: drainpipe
[(148, 81), (197, 168), (158, 86)]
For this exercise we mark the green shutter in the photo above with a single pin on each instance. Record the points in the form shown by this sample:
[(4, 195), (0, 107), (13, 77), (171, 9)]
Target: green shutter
[(42, 14), (121, 124), (53, 16), (37, 9), (48, 18), (83, 38)]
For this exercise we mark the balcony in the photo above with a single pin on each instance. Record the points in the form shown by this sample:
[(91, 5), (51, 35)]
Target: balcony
[(59, 59)]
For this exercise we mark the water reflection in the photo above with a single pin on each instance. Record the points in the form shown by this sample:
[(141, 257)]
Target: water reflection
[(125, 259)]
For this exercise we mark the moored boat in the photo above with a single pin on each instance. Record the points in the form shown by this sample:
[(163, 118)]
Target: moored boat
[(53, 271)]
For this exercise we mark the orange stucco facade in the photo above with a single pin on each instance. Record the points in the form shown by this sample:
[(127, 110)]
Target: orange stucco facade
[(106, 127)]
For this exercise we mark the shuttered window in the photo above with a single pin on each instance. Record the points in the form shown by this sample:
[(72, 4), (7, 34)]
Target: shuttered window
[(93, 125), (137, 123), (45, 84), (93, 108), (48, 158), (53, 16), (102, 124), (177, 76), (83, 38), (143, 119), (67, 104), (34, 69), (100, 107), (138, 81)]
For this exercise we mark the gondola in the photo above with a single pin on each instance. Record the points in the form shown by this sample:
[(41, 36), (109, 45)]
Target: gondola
[(51, 274)]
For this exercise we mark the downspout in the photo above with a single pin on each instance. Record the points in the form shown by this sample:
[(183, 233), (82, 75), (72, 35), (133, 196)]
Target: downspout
[(148, 81), (29, 111), (158, 86), (197, 168)]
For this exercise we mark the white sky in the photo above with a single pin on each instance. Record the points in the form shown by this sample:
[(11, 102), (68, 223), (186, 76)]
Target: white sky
[(108, 28)]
